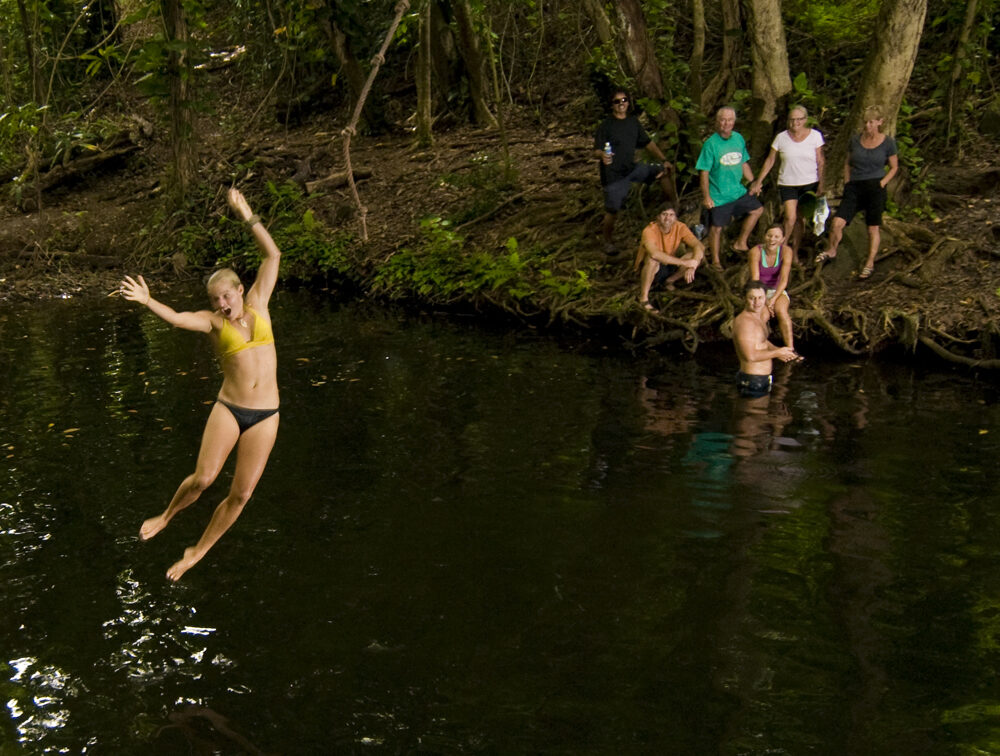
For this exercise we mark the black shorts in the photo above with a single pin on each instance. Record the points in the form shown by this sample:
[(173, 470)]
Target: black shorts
[(664, 273), (789, 193), (752, 386), (868, 195), (616, 191), (722, 214)]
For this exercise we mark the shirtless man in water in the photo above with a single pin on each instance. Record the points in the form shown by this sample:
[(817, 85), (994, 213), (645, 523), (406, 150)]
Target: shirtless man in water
[(245, 414), (753, 349)]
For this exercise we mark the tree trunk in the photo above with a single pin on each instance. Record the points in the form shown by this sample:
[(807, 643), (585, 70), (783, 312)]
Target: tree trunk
[(355, 75), (37, 87), (720, 87), (5, 65), (887, 70), (955, 83), (424, 116), (771, 82), (639, 50), (472, 55), (697, 60), (598, 16), (179, 75)]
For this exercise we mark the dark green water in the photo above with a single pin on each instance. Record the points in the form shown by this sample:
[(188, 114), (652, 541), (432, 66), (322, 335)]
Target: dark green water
[(473, 541)]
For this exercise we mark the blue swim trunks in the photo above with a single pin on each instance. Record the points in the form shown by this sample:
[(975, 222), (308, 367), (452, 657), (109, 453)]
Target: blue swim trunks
[(752, 386)]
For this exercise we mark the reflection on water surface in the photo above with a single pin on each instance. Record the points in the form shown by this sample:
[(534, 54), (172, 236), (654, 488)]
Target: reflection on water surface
[(475, 541)]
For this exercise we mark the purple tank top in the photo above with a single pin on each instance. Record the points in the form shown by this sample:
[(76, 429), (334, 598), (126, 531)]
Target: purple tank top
[(769, 276)]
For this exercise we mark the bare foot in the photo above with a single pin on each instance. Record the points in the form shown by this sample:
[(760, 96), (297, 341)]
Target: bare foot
[(151, 527), (176, 572), (741, 246)]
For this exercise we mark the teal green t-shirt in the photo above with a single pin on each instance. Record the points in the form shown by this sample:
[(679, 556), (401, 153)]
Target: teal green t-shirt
[(724, 159)]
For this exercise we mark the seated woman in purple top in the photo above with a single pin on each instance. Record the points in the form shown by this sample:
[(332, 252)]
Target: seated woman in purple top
[(865, 180), (771, 263)]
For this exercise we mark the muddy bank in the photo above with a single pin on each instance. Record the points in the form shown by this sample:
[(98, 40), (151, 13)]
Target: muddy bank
[(514, 230)]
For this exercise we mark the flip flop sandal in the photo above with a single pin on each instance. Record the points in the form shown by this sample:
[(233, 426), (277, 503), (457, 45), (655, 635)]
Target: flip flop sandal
[(822, 257), (866, 273)]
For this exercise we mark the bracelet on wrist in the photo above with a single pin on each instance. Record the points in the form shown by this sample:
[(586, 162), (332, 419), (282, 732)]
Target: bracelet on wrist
[(253, 220)]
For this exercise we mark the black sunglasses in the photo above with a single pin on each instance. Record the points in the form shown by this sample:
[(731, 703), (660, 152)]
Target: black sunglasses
[(619, 100)]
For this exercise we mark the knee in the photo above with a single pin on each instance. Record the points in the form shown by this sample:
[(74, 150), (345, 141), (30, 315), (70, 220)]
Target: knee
[(202, 479), (238, 496)]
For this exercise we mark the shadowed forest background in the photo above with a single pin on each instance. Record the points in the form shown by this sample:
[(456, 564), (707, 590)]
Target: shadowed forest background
[(439, 152)]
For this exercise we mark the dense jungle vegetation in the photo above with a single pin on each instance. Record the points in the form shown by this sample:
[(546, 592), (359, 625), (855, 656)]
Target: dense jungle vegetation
[(439, 151)]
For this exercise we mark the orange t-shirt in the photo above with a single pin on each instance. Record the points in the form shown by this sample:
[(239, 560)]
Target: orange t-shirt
[(667, 243)]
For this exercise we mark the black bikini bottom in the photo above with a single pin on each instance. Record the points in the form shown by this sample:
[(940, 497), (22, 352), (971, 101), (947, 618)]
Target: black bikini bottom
[(247, 418)]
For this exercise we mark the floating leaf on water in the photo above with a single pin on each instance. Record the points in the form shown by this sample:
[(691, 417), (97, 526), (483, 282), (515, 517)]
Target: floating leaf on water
[(983, 431), (71, 430), (302, 359)]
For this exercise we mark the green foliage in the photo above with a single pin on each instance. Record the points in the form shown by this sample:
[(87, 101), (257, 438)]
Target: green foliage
[(484, 186), (443, 270), (305, 245), (834, 22), (816, 103), (912, 161)]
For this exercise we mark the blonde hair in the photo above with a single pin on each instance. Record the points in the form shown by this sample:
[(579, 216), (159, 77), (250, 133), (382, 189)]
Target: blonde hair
[(224, 275), (872, 112)]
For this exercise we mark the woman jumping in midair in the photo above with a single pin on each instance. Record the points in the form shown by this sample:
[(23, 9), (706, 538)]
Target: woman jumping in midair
[(245, 414)]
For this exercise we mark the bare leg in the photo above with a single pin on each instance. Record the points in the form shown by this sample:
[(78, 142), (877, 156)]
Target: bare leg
[(251, 457), (219, 438), (784, 320), (608, 228), (874, 239), (836, 234), (792, 226), (714, 242), (649, 270), (790, 209), (743, 242)]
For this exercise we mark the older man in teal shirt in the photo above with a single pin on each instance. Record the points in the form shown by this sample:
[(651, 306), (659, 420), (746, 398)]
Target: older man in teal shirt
[(723, 165)]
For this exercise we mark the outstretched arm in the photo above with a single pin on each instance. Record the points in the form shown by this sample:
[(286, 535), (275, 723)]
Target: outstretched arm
[(267, 274), (765, 169), (137, 291), (654, 148)]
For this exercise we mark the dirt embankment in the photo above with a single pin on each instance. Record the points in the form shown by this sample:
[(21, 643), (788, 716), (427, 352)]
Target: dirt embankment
[(936, 282)]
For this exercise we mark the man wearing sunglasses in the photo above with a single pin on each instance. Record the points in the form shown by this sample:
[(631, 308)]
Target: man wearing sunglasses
[(615, 144)]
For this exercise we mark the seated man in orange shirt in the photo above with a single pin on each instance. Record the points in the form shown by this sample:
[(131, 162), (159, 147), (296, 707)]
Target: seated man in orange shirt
[(659, 244)]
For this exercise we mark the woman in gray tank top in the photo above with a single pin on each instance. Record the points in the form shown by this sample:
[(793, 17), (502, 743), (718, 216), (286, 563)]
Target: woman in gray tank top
[(865, 179)]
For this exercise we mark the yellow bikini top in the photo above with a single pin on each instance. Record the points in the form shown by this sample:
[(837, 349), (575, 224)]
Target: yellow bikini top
[(231, 341)]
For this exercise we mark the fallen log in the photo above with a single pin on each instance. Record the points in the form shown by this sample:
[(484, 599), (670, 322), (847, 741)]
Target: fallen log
[(335, 180), (118, 146)]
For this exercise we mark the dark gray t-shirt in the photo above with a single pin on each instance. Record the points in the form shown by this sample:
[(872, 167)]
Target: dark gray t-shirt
[(870, 164)]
